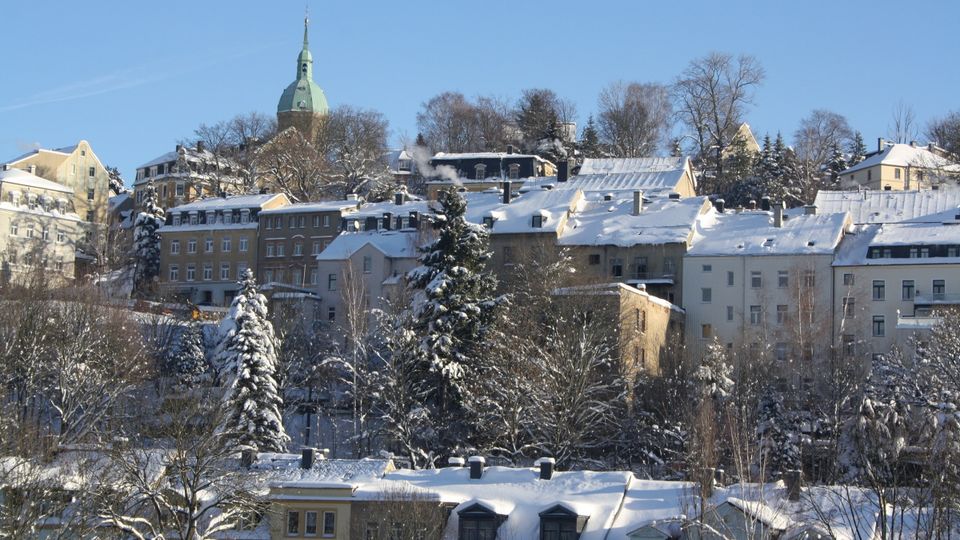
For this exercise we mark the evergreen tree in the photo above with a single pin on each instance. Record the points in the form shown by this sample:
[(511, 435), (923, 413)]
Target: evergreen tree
[(712, 377), (247, 357), (146, 241), (858, 150), (779, 441), (836, 165), (590, 141), (453, 305), (190, 363)]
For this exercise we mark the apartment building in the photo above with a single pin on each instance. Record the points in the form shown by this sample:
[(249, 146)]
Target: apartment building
[(39, 231), (879, 206), (651, 175), (187, 174), (761, 281), (478, 171), (208, 243), (290, 237), (901, 167)]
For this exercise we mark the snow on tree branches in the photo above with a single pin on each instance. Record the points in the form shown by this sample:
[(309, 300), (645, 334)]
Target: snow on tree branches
[(146, 240)]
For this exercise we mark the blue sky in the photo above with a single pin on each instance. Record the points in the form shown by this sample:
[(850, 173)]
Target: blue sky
[(134, 77)]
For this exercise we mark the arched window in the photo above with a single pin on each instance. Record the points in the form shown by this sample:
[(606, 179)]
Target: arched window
[(514, 171)]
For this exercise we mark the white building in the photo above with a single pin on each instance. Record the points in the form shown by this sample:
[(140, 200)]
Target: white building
[(879, 206), (761, 280)]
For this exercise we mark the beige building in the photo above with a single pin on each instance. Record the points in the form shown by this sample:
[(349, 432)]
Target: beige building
[(39, 231), (651, 175), (291, 236), (187, 174), (208, 243), (901, 167)]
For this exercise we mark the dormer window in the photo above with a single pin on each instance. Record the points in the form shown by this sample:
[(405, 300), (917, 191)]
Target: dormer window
[(561, 523), (479, 522), (514, 171), (480, 171), (193, 218), (176, 220), (227, 217), (488, 222), (244, 216), (537, 221)]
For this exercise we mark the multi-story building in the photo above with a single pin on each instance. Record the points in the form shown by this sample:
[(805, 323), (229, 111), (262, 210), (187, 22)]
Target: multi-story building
[(755, 280), (39, 230), (901, 167), (291, 236), (479, 171), (187, 174), (878, 206), (208, 243), (80, 170), (651, 175)]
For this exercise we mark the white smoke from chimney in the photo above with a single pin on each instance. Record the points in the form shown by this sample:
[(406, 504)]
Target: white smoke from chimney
[(422, 155)]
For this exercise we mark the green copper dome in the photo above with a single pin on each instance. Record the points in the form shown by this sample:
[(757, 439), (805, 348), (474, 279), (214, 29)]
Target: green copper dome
[(303, 94)]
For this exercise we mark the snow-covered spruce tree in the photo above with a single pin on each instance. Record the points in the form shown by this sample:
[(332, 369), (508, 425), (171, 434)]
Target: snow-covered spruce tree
[(779, 442), (453, 305), (146, 242), (190, 362), (712, 377), (589, 145), (836, 165), (858, 150), (246, 356)]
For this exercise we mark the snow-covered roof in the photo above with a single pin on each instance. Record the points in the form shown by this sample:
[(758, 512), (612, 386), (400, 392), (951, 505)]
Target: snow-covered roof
[(484, 155), (631, 165), (324, 473), (615, 289), (902, 155), (379, 208), (393, 244), (227, 203), (192, 155), (24, 178), (855, 247), (320, 206), (553, 206), (879, 206), (753, 233), (644, 181), (64, 151), (661, 221)]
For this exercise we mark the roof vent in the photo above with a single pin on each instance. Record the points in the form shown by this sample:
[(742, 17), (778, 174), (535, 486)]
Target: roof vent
[(752, 205), (765, 203), (307, 457), (674, 195), (608, 197), (6, 166), (811, 243), (810, 210)]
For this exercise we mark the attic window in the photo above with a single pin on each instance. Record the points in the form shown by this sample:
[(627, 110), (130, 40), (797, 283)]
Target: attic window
[(811, 243), (768, 242), (488, 222), (537, 221)]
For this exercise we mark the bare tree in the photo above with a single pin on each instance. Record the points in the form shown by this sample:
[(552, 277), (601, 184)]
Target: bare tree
[(403, 512), (290, 164), (634, 118), (353, 143), (945, 132), (450, 122), (903, 126), (711, 97)]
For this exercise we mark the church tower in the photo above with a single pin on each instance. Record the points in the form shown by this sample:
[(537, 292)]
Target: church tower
[(303, 104)]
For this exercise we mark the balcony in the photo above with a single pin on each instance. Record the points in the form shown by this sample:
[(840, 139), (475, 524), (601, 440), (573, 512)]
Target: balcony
[(916, 322), (936, 298), (649, 278)]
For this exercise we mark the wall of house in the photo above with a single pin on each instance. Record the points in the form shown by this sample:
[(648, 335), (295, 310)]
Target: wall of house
[(303, 500), (647, 328), (73, 171), (312, 241), (659, 258), (216, 291)]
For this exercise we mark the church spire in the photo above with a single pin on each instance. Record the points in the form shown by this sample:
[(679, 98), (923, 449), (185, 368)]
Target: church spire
[(306, 23)]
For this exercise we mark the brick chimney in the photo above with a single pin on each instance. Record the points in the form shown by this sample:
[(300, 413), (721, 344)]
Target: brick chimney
[(546, 467), (507, 191), (476, 467)]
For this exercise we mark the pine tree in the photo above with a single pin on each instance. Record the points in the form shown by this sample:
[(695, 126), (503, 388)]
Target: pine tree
[(858, 150), (146, 241), (712, 377), (590, 140), (247, 357), (453, 306), (779, 442), (190, 361), (836, 165)]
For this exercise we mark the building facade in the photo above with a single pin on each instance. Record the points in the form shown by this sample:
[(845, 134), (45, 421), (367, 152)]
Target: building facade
[(187, 174), (901, 167)]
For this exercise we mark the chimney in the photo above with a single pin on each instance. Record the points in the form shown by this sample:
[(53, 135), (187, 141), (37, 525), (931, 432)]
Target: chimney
[(413, 220), (32, 169), (563, 170), (247, 457), (307, 457), (810, 210), (751, 205), (794, 481), (456, 461), (765, 203), (264, 190), (778, 216), (931, 147), (476, 467), (200, 146), (509, 148), (888, 187), (637, 202), (398, 198), (880, 144), (507, 194), (913, 144), (6, 166), (179, 148), (387, 217), (719, 204), (546, 467), (674, 196)]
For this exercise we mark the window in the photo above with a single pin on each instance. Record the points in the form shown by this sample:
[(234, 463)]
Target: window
[(293, 523), (278, 222), (331, 282), (480, 171), (292, 223), (514, 171), (783, 279), (641, 320), (30, 235), (729, 313), (781, 313), (331, 313), (45, 234), (326, 221), (191, 272), (90, 194), (707, 268), (224, 271), (849, 307), (706, 331), (755, 315), (270, 250), (706, 295), (314, 276), (878, 326), (729, 279), (848, 280), (537, 221), (90, 215), (924, 253), (310, 524), (896, 173), (281, 248), (179, 190), (61, 237), (809, 279), (367, 264), (849, 345), (669, 266), (756, 280), (329, 523), (639, 267), (267, 276), (907, 289), (225, 245), (14, 229), (192, 245), (244, 244), (176, 219), (241, 268), (297, 249), (939, 287), (174, 272), (780, 350), (208, 245), (594, 259), (616, 267), (315, 248), (507, 254), (301, 220), (879, 290), (92, 171), (174, 247), (207, 271)]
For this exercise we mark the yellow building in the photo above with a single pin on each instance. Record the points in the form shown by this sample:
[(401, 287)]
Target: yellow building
[(39, 230), (901, 167), (207, 244), (81, 171), (187, 174)]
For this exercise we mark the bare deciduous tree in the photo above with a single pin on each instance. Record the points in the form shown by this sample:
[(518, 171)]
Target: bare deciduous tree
[(903, 123), (634, 118)]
